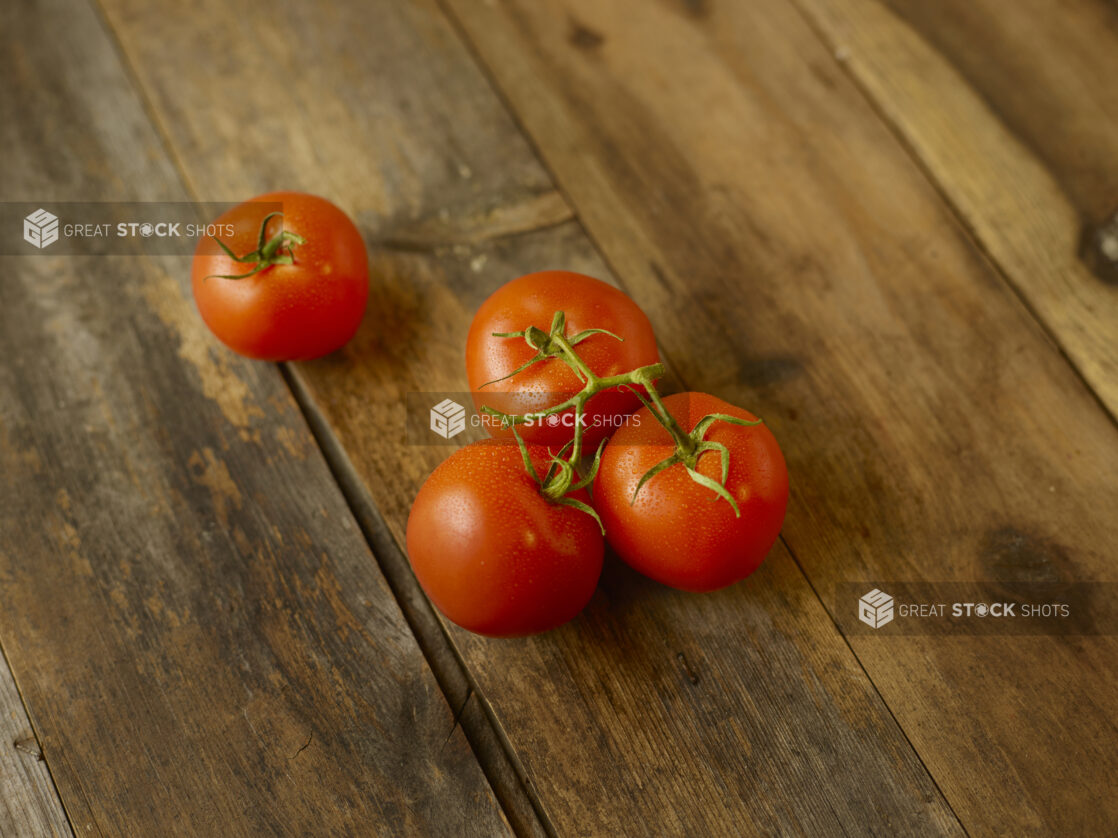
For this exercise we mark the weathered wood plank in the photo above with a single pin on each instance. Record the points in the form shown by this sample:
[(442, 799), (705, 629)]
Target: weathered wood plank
[(1018, 125), (757, 207), (204, 641), (656, 712), (1045, 72), (29, 804)]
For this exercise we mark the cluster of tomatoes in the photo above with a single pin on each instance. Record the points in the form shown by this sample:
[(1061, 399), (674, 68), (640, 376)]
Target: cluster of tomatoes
[(507, 538), (508, 535)]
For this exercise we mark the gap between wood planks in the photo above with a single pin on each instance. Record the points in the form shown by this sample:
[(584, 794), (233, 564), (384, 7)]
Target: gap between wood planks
[(37, 804), (471, 712)]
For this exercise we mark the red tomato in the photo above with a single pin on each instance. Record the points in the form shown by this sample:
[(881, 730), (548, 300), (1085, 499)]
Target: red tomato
[(532, 300), (492, 553), (285, 312), (679, 532)]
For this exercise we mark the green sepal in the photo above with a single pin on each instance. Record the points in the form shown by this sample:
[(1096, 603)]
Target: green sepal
[(582, 507), (666, 463), (724, 453), (592, 472), (703, 425), (253, 272), (264, 230), (581, 336), (556, 458), (248, 257), (538, 357), (714, 486), (524, 456)]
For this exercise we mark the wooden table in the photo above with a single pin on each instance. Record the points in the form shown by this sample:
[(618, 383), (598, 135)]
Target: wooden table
[(884, 225)]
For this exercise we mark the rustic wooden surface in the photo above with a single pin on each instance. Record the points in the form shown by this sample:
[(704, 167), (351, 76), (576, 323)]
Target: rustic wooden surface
[(852, 218), (620, 674), (757, 207), (204, 642)]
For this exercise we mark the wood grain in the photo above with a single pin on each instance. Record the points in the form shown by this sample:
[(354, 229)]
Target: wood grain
[(1018, 125), (29, 804), (796, 261), (656, 712), (204, 641), (1045, 72)]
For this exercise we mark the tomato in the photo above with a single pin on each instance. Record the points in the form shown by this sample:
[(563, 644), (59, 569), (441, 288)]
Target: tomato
[(532, 300), (677, 531), (285, 311), (492, 554)]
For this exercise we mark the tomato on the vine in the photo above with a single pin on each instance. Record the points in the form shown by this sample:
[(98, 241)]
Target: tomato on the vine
[(676, 530), (291, 286), (533, 300), (492, 553)]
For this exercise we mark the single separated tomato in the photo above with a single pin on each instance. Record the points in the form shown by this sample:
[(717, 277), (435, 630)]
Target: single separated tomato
[(677, 531), (307, 283), (492, 554), (533, 300)]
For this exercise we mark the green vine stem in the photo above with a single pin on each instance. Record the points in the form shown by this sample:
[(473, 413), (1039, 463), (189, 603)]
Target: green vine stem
[(560, 478), (274, 251)]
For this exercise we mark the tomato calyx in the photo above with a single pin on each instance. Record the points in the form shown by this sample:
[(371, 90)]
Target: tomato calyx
[(274, 251), (689, 447), (559, 479), (556, 344), (551, 344)]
